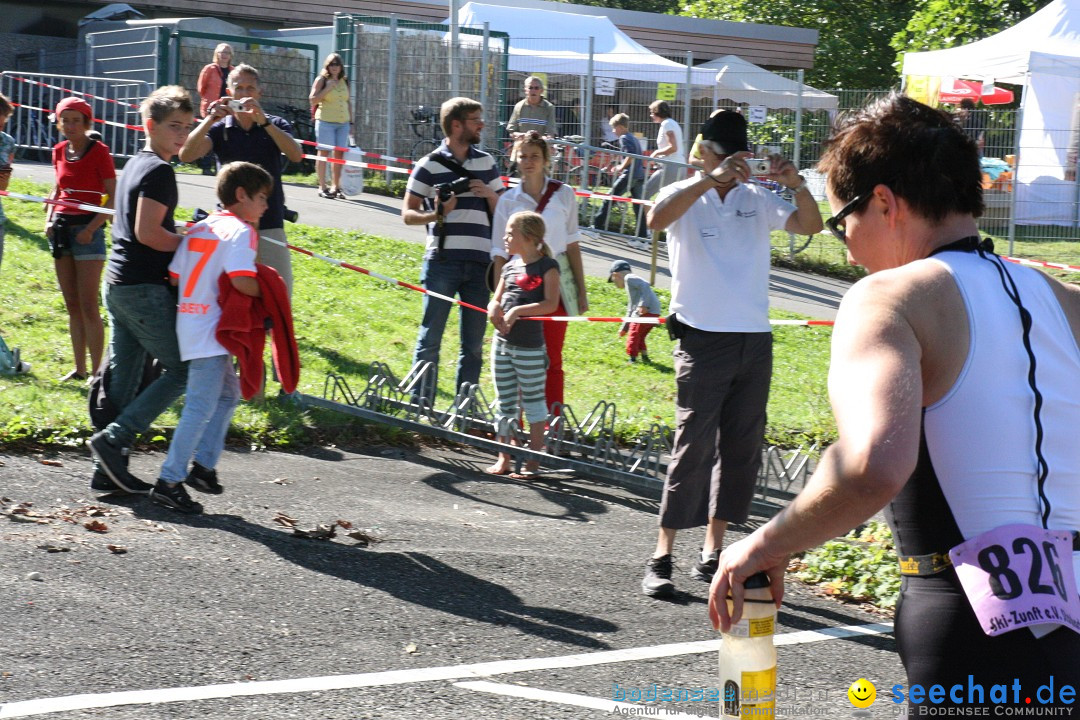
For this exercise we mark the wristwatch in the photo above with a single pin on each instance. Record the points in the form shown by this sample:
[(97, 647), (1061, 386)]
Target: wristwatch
[(268, 122)]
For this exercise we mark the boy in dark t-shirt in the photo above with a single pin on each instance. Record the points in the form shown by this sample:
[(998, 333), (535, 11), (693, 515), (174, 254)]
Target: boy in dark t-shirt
[(139, 299)]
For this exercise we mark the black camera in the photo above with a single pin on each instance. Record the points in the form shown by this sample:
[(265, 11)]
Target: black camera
[(450, 189), (290, 215)]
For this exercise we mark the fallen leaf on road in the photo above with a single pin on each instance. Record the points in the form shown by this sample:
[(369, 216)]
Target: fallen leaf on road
[(410, 648), (52, 463), (283, 519), (49, 547), (345, 524), (117, 549), (96, 526), (322, 531)]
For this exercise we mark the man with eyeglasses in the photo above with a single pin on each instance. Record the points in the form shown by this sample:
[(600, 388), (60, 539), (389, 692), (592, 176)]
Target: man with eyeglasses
[(718, 225), (533, 113)]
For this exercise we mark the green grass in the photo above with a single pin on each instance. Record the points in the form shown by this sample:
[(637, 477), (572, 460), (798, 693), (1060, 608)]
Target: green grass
[(344, 322)]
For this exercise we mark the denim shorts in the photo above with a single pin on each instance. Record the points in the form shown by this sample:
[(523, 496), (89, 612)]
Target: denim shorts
[(331, 133), (62, 242)]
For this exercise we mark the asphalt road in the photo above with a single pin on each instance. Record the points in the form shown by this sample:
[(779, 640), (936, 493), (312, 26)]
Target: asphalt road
[(485, 598), (812, 295), (481, 591)]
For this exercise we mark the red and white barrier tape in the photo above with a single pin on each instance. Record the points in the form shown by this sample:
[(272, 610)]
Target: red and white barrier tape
[(137, 128), (357, 163), (374, 156), (73, 92), (412, 286)]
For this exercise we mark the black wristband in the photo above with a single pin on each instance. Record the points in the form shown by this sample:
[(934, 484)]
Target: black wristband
[(265, 123)]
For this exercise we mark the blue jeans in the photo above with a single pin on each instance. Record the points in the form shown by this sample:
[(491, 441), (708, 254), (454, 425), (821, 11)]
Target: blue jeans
[(466, 279), (142, 319), (618, 188), (213, 391)]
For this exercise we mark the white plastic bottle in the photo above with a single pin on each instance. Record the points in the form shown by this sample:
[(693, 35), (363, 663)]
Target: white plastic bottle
[(748, 656)]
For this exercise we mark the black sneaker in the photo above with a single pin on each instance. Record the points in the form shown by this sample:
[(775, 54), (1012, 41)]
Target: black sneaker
[(113, 461), (174, 496), (102, 483), (705, 569), (657, 582), (204, 480)]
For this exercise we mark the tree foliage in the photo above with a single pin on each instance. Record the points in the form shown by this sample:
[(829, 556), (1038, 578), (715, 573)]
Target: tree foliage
[(939, 24), (853, 35), (861, 42)]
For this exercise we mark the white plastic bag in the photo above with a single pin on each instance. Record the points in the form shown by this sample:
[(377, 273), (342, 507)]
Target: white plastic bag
[(352, 177)]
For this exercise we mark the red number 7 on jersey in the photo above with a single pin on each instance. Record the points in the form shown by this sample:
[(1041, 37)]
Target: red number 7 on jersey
[(206, 248)]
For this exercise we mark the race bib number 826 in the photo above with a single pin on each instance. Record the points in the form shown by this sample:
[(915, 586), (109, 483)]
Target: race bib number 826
[(1019, 575)]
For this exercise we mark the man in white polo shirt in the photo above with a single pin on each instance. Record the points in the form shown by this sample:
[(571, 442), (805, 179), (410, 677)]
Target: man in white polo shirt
[(718, 226)]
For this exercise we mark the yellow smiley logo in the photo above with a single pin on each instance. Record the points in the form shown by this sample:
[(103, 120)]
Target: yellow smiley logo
[(862, 693)]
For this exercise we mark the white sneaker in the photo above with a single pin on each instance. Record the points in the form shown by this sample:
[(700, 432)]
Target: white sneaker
[(638, 244)]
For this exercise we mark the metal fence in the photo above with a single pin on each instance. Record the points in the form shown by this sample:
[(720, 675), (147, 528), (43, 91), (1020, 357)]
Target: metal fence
[(114, 102), (403, 71)]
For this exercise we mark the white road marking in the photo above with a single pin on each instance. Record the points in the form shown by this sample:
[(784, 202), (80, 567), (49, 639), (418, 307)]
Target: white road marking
[(562, 698), (45, 706)]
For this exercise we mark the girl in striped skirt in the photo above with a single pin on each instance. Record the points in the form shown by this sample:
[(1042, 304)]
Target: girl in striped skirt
[(529, 286)]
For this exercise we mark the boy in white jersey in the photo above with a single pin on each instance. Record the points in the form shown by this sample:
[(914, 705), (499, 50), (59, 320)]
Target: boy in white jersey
[(225, 242)]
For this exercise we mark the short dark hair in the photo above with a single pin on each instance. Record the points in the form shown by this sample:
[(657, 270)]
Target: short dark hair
[(920, 153), (253, 178), (6, 108), (661, 108), (457, 108)]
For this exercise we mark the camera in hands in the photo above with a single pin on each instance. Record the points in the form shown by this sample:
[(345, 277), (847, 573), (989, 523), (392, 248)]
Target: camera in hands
[(450, 189), (236, 104), (759, 166)]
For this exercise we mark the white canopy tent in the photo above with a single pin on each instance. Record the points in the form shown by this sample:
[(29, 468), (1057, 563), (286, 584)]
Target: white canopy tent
[(742, 81), (1042, 53), (557, 43)]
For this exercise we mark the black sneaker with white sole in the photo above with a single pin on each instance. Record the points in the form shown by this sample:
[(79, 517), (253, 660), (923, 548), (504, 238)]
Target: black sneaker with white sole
[(175, 496), (657, 581), (204, 480), (705, 569), (113, 461), (102, 483)]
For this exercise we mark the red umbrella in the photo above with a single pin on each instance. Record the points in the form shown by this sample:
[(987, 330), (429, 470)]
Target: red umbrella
[(973, 89)]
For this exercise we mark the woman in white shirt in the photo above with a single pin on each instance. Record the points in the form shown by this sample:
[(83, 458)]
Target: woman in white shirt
[(669, 144), (557, 204)]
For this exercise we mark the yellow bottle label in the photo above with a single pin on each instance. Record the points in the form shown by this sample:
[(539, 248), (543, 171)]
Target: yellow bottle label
[(762, 626), (758, 693)]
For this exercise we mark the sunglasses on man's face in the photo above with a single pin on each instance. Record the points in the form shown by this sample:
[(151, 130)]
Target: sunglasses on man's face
[(835, 223)]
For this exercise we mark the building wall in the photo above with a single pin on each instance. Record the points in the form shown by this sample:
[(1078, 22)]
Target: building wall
[(51, 54)]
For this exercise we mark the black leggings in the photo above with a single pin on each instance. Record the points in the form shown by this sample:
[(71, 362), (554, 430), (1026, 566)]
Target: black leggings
[(941, 643)]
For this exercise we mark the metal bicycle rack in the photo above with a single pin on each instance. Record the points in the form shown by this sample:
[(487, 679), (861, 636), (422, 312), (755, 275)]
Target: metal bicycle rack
[(586, 447)]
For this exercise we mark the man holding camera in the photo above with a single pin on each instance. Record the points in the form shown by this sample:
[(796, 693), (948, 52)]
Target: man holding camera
[(718, 226), (453, 191), (236, 128)]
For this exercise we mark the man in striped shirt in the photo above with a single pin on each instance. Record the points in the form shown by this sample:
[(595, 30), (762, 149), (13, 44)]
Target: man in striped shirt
[(459, 237)]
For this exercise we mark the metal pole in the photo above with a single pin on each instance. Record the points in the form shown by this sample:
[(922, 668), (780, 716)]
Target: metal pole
[(687, 104), (797, 152), (354, 73), (484, 58), (391, 88), (1016, 163), (454, 48), (589, 80)]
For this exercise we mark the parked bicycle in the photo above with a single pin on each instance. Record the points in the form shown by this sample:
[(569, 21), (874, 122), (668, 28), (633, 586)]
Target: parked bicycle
[(425, 124)]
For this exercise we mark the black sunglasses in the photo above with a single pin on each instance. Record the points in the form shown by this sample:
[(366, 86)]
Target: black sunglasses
[(833, 223), (333, 64)]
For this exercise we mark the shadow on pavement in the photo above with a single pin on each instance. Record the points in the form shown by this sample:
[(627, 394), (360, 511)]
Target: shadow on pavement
[(414, 577)]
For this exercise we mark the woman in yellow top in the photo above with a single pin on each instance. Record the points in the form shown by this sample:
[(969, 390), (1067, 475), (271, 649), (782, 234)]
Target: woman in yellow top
[(333, 118)]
